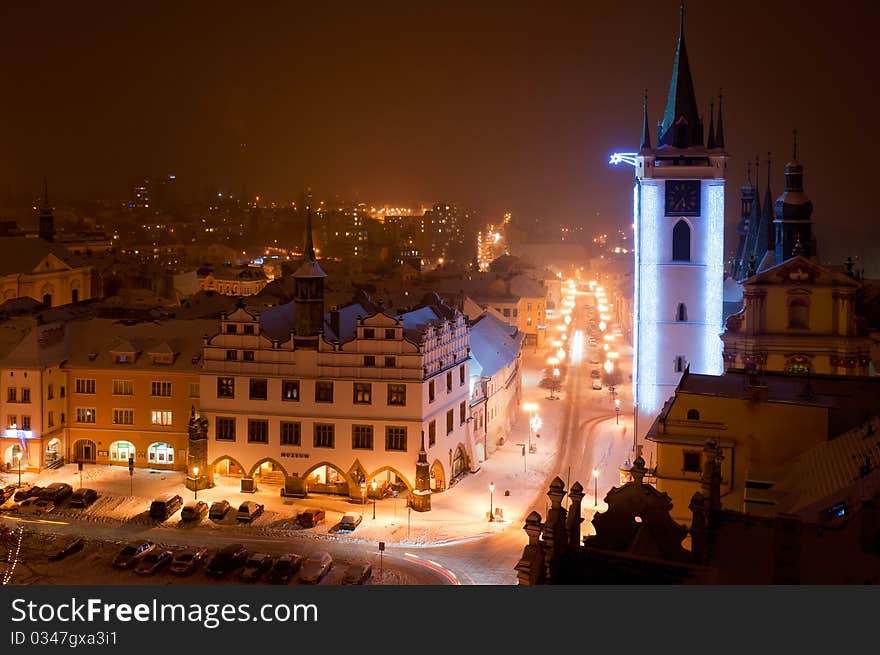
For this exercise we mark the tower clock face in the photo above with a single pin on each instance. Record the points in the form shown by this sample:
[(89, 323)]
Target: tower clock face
[(683, 198)]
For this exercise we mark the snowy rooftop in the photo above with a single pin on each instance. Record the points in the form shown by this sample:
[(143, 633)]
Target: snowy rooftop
[(494, 345)]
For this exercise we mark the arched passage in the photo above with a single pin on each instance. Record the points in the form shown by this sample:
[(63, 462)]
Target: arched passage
[(84, 450), (390, 477), (326, 478), (160, 454), (459, 462), (228, 467), (438, 476), (269, 471)]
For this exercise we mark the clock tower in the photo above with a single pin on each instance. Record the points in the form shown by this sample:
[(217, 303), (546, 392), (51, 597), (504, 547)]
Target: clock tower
[(679, 245)]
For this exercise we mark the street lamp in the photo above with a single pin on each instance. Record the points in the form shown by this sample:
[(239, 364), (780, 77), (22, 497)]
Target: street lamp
[(196, 481), (491, 499), (374, 484), (364, 491), (596, 487), (18, 456)]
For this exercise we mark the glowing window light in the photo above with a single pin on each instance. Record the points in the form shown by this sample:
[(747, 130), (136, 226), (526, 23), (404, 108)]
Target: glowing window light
[(560, 354), (567, 320), (609, 366)]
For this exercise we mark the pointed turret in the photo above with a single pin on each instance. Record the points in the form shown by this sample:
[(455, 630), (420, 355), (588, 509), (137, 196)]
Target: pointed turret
[(747, 197), (681, 126), (309, 250), (754, 218), (719, 129), (646, 132), (308, 294), (47, 218), (767, 215), (710, 140), (793, 211)]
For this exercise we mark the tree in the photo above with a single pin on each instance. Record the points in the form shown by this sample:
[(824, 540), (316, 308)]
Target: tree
[(552, 384)]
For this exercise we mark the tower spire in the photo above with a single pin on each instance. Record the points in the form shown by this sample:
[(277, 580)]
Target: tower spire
[(710, 141), (681, 127), (47, 218), (309, 250), (646, 132), (767, 216), (45, 191), (794, 146), (719, 130)]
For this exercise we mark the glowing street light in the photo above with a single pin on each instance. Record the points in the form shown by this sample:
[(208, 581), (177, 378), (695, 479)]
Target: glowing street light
[(491, 509), (602, 326), (560, 354), (18, 457), (196, 481), (609, 366), (374, 484)]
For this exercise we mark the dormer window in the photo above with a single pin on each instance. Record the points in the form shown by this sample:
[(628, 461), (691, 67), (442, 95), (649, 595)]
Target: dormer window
[(162, 358), (389, 334), (369, 333), (248, 329), (231, 328)]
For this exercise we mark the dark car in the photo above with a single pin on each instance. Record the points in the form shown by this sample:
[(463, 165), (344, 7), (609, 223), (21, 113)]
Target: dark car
[(131, 554), (219, 509), (227, 559), (57, 492), (284, 568), (7, 493), (68, 547), (350, 521), (194, 510), (255, 566), (162, 508), (153, 561), (187, 561), (311, 517), (357, 573), (249, 510), (25, 493), (42, 505), (315, 567), (82, 498)]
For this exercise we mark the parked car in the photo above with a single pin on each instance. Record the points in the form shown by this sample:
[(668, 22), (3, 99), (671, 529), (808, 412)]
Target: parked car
[(255, 566), (153, 562), (187, 561), (357, 573), (42, 506), (57, 492), (227, 559), (8, 492), (249, 510), (597, 385), (315, 567), (311, 517), (67, 547), (82, 498), (162, 508), (595, 374), (284, 568), (194, 510), (219, 509), (131, 554), (28, 506), (26, 492), (350, 521)]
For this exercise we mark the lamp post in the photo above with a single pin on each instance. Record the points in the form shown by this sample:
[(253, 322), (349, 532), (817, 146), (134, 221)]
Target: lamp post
[(196, 481), (374, 484), (595, 487), (491, 499), (18, 456), (364, 492)]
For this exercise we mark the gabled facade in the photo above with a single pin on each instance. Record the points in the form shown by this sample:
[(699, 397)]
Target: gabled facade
[(33, 268)]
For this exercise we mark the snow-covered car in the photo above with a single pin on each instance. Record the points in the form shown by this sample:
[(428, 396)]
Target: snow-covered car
[(357, 573), (315, 567), (194, 510), (187, 561), (82, 498), (597, 385), (255, 566), (284, 568), (131, 554), (350, 521), (153, 562)]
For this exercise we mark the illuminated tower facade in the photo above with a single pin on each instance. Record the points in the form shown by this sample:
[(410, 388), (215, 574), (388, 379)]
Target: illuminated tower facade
[(679, 245)]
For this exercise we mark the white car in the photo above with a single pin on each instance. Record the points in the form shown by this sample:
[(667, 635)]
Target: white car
[(597, 385)]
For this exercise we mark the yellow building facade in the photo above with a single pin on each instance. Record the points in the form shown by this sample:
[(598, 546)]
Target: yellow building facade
[(32, 268)]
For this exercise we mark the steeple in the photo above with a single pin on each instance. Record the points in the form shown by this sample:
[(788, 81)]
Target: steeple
[(681, 126), (793, 210), (646, 132), (47, 218), (308, 294), (710, 141), (309, 250), (719, 130), (767, 215)]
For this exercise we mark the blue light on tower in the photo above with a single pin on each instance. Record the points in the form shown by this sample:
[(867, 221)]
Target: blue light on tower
[(712, 359)]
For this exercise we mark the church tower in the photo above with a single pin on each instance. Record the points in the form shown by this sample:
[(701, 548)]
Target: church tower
[(794, 210), (308, 295), (679, 245), (47, 218)]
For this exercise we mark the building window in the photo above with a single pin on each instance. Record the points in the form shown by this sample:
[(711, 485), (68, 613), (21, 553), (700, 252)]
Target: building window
[(681, 312), (123, 416), (462, 413), (259, 388), (290, 390), (231, 328), (461, 375), (12, 395), (363, 393), (450, 421), (160, 389), (248, 329), (693, 415), (362, 437), (258, 430), (529, 321), (231, 355), (193, 389), (681, 242), (248, 355), (25, 422), (680, 364), (799, 313), (432, 433), (85, 414), (369, 333), (369, 360), (123, 387), (160, 453), (507, 312), (448, 381), (397, 394), (390, 362), (50, 392), (431, 391), (395, 438), (691, 461), (161, 417), (63, 391), (528, 306), (389, 334), (82, 385), (11, 421), (25, 394), (225, 428), (324, 435), (291, 433), (226, 387), (50, 419), (121, 451), (323, 392)]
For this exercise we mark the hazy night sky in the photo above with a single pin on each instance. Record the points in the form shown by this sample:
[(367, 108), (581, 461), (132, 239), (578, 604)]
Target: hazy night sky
[(499, 106)]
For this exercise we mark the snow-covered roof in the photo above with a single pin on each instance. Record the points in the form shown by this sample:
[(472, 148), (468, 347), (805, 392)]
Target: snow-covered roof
[(494, 345)]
